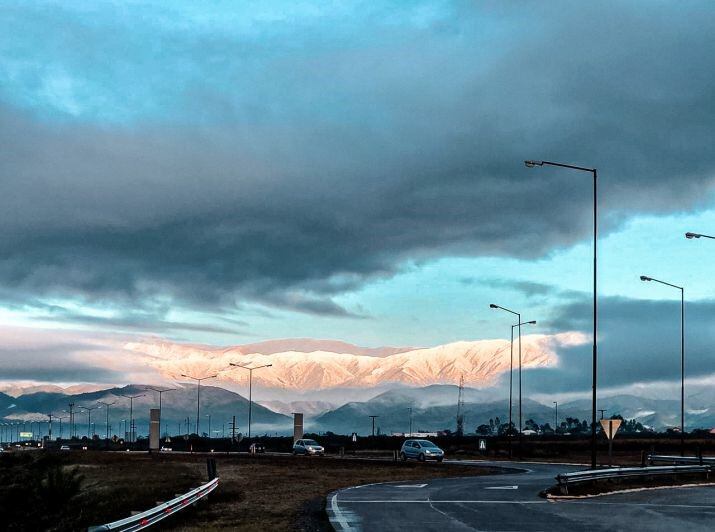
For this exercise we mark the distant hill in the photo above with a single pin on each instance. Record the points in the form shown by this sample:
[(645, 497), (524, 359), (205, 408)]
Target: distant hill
[(177, 405)]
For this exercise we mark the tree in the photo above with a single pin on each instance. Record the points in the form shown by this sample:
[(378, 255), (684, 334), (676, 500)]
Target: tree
[(484, 430)]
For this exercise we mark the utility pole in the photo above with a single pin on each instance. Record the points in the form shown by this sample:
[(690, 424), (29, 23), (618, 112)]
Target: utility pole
[(72, 426), (373, 423), (410, 409)]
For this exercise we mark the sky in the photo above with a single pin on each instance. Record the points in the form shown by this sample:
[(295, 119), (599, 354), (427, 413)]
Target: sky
[(230, 172)]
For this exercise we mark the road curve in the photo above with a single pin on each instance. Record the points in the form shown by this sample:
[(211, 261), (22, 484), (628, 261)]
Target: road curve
[(510, 501)]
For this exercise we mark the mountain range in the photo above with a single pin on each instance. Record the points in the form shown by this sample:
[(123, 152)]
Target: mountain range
[(433, 408), (311, 365)]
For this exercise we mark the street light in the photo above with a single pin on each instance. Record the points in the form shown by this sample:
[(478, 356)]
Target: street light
[(209, 416), (107, 405), (532, 322), (682, 357), (690, 236), (556, 415), (594, 172), (89, 417), (198, 395), (250, 389), (410, 410), (131, 416), (511, 367)]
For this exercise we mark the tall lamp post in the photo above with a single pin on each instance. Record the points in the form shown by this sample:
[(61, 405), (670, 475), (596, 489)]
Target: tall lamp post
[(373, 423), (106, 405), (556, 415), (682, 357), (250, 389), (131, 416), (511, 365), (89, 417), (532, 322), (198, 396), (594, 173)]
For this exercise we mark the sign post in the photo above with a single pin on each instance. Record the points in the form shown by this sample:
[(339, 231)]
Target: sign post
[(610, 427)]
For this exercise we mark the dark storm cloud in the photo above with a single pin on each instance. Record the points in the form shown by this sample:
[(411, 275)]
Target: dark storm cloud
[(313, 165), (639, 341)]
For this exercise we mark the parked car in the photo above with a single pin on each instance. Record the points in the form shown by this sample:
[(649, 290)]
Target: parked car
[(421, 450), (309, 447), (257, 448), (64, 448), (166, 449)]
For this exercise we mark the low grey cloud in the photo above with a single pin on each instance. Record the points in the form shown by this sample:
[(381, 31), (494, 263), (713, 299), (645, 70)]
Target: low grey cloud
[(639, 341), (291, 169)]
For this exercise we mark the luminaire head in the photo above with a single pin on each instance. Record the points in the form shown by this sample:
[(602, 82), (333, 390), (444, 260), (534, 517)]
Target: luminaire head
[(532, 164), (492, 305), (646, 278), (692, 235)]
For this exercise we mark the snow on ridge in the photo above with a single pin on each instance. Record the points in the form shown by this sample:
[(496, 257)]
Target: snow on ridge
[(481, 362)]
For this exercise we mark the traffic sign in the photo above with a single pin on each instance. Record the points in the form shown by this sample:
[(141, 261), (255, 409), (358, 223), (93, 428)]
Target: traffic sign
[(610, 427)]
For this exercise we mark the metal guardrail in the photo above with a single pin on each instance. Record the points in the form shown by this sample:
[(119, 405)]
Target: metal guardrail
[(566, 479), (148, 518), (701, 460)]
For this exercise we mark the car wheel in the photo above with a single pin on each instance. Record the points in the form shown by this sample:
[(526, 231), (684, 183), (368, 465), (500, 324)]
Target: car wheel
[(421, 457), (295, 453), (403, 457), (440, 460)]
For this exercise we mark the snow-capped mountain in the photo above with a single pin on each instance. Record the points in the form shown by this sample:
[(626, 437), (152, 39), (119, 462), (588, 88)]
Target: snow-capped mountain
[(480, 362)]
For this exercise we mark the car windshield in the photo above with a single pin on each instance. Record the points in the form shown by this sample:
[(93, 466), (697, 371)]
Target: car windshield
[(425, 443), (310, 442)]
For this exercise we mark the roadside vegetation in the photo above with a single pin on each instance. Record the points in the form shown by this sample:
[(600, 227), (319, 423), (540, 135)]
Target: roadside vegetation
[(71, 491)]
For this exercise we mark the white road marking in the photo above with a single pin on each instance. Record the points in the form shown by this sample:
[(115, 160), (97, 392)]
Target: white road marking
[(432, 501), (502, 488), (411, 486), (338, 514)]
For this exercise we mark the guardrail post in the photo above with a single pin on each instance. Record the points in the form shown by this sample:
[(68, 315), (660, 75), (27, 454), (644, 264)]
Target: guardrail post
[(211, 468)]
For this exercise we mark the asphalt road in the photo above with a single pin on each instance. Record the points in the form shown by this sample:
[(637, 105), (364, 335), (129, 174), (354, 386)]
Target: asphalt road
[(510, 501)]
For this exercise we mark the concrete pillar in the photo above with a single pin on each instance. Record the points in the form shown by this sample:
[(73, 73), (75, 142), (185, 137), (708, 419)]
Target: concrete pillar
[(154, 429), (297, 426)]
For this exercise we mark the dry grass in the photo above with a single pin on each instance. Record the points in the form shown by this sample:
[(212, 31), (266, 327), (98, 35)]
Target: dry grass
[(256, 493), (287, 493)]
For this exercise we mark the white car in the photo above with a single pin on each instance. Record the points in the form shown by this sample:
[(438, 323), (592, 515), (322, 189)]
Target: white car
[(64, 448), (166, 449), (310, 447)]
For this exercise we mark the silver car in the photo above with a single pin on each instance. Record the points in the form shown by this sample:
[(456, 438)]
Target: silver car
[(310, 447), (421, 450)]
